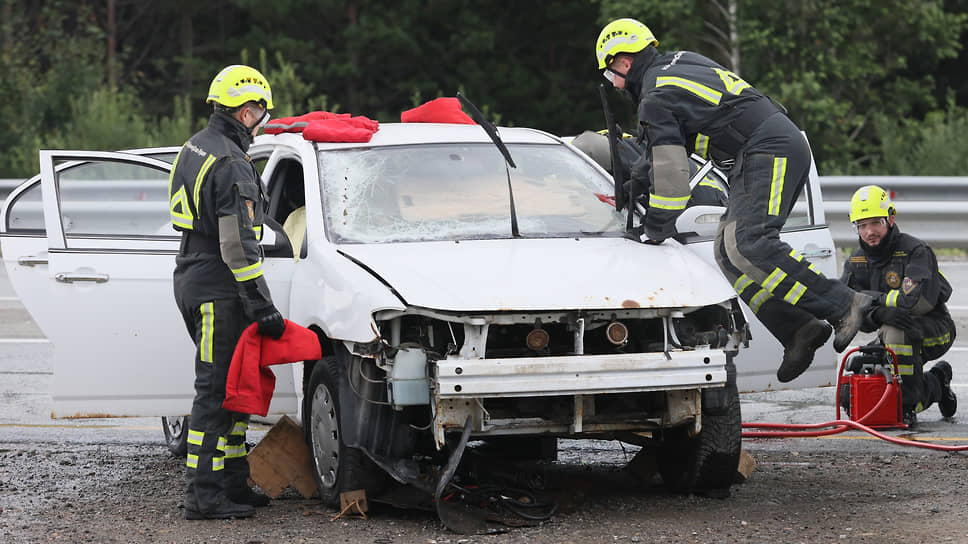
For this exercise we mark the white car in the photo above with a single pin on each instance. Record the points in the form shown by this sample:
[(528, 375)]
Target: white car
[(446, 309)]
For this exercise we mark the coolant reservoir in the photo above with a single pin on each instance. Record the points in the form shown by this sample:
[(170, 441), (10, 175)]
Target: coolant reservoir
[(409, 385)]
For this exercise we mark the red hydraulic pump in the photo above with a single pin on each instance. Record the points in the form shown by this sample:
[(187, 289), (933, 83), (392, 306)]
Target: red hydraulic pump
[(869, 371)]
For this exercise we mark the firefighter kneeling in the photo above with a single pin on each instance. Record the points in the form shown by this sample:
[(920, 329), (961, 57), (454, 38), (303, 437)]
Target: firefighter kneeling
[(900, 272)]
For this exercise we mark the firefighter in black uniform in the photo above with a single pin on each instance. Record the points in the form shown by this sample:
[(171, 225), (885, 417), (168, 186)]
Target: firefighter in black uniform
[(688, 103), (901, 274), (217, 203), (707, 191)]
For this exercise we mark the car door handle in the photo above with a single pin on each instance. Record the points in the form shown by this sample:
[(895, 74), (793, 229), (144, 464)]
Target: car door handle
[(30, 260), (818, 253), (67, 277)]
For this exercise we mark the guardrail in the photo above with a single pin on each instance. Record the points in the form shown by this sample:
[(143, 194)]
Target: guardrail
[(932, 208)]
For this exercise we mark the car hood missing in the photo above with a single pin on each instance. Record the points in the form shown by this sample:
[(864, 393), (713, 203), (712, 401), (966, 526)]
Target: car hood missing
[(545, 274)]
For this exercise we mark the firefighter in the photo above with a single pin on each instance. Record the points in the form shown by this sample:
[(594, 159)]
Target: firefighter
[(900, 272), (688, 103), (217, 203), (708, 191)]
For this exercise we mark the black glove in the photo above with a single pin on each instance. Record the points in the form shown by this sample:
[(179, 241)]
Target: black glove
[(657, 230), (270, 322), (896, 317)]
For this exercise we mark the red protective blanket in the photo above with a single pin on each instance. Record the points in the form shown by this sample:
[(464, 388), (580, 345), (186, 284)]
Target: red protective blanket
[(250, 383), (439, 110)]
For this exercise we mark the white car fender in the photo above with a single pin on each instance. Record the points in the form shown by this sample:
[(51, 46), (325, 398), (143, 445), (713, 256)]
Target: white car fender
[(340, 301)]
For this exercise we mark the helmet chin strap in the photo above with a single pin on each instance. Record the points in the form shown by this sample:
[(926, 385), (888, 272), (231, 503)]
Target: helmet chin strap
[(619, 74)]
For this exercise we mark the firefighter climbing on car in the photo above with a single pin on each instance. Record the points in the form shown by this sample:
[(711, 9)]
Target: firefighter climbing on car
[(217, 203), (900, 272), (688, 103)]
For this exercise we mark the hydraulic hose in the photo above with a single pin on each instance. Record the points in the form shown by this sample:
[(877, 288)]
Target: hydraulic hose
[(809, 430)]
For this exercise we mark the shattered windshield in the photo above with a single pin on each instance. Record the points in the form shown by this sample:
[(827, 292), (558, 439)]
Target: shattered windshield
[(426, 192)]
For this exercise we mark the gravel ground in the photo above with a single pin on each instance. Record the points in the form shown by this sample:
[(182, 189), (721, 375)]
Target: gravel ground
[(64, 491)]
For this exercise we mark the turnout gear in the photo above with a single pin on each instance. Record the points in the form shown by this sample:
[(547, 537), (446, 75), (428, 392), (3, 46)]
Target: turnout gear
[(270, 322), (901, 273), (847, 326), (622, 36), (798, 356), (870, 201), (224, 509), (217, 203), (237, 84), (689, 103), (948, 403), (884, 315)]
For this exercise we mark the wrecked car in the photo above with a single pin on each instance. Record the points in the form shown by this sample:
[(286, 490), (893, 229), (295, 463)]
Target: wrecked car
[(456, 298)]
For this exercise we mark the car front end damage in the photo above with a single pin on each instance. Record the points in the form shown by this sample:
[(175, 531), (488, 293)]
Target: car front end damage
[(564, 373)]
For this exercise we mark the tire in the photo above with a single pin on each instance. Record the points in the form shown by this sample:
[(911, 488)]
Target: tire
[(705, 464), (337, 468), (176, 434)]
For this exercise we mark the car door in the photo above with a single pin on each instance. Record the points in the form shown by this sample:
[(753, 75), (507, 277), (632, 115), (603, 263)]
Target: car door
[(805, 231), (120, 345)]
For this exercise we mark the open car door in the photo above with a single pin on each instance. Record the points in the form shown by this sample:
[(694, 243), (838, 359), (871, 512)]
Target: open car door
[(120, 344)]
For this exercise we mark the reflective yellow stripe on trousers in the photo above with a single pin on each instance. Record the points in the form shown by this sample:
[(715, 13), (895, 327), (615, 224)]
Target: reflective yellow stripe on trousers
[(776, 187), (208, 330)]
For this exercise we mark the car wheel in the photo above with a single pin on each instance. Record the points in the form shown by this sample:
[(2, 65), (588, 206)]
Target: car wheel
[(707, 463), (337, 468), (176, 434)]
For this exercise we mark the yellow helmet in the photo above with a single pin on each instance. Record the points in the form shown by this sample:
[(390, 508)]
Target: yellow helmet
[(237, 84), (622, 36), (870, 201)]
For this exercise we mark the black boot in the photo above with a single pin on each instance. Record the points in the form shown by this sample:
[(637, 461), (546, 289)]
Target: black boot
[(223, 509), (249, 496), (798, 356), (949, 402), (910, 418), (847, 326)]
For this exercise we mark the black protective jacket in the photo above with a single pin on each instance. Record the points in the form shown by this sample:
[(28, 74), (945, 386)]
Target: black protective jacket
[(217, 202), (687, 103), (902, 272)]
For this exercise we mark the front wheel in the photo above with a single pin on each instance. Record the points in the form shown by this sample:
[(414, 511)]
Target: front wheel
[(707, 463), (337, 467), (176, 434)]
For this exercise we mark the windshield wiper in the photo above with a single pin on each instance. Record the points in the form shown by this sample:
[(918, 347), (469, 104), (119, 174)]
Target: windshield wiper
[(491, 131)]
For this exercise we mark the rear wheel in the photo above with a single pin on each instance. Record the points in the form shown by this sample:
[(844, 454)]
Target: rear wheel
[(337, 468), (176, 434)]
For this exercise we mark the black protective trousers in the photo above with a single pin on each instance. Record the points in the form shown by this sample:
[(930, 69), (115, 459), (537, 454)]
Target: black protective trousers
[(783, 290), (913, 348), (217, 465)]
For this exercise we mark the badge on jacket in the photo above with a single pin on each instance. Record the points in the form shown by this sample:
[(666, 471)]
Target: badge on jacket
[(893, 280), (251, 206), (908, 286)]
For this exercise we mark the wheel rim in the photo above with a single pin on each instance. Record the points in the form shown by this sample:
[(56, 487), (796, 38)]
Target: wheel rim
[(175, 426), (325, 436)]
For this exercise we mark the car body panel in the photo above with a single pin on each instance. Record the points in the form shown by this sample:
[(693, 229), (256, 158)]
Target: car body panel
[(543, 274), (121, 346)]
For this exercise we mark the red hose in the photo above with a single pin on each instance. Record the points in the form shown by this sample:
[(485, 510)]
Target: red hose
[(841, 425)]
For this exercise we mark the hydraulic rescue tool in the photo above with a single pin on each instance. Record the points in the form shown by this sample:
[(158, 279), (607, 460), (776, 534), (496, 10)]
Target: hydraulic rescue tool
[(871, 370)]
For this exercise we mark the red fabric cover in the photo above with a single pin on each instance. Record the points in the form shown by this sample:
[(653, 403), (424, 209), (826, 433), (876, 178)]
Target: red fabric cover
[(250, 383), (299, 122), (439, 110), (339, 130)]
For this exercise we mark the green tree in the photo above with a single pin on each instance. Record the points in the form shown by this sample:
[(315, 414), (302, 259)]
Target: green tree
[(835, 64)]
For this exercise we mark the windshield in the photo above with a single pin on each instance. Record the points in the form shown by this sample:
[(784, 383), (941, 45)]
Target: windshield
[(460, 191)]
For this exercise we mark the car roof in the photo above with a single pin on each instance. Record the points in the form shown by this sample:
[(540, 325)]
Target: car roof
[(426, 133)]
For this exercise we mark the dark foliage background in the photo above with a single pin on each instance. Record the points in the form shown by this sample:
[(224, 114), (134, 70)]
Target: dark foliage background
[(880, 86)]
